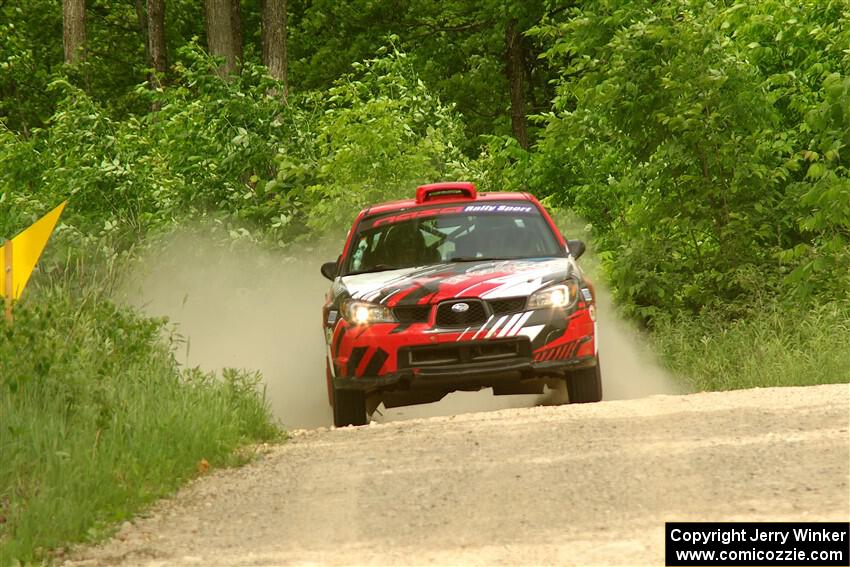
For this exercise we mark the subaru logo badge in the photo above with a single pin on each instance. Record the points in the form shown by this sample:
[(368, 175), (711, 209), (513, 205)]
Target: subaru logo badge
[(460, 307)]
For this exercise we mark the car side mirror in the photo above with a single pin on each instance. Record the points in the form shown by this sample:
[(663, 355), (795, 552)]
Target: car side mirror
[(329, 270), (576, 248)]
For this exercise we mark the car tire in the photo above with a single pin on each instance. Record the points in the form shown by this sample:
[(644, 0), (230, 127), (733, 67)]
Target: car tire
[(585, 385), (349, 407), (329, 384)]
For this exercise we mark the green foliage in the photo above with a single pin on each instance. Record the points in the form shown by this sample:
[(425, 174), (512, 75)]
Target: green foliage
[(382, 132), (703, 141), (774, 346), (457, 47), (233, 149), (32, 56), (27, 61), (98, 419)]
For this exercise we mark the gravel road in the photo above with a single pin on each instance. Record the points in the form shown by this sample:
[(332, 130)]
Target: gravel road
[(569, 485)]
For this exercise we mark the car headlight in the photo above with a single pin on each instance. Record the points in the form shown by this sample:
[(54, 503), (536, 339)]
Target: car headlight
[(561, 295), (363, 312)]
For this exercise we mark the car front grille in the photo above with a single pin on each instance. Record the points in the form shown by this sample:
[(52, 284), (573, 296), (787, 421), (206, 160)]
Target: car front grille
[(507, 305), (408, 314), (464, 353), (475, 313)]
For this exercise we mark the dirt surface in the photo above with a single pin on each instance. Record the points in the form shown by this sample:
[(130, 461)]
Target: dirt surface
[(569, 485)]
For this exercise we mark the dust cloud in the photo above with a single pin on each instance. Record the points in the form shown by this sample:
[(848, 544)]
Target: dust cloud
[(629, 367), (244, 306)]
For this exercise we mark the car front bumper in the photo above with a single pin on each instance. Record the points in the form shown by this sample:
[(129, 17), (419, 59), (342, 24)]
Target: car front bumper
[(461, 376), (389, 357)]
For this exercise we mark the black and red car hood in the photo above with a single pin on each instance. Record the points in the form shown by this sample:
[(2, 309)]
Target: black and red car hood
[(440, 282)]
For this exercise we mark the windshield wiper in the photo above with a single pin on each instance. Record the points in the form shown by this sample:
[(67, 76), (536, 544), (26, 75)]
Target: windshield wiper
[(482, 259), (376, 268)]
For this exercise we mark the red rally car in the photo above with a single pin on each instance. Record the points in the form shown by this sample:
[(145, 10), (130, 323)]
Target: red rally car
[(456, 290)]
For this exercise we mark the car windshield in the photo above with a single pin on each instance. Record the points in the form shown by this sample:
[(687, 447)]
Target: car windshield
[(495, 231)]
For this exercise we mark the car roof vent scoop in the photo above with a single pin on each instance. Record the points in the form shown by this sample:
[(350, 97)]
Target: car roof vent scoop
[(450, 190)]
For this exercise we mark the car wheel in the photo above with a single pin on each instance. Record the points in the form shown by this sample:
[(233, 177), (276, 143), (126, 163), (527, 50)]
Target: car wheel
[(329, 383), (349, 407), (585, 385)]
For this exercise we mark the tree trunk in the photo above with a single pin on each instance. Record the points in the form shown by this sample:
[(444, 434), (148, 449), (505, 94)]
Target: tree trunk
[(528, 68), (156, 37), (274, 40), (74, 30), (236, 24), (220, 34), (514, 68)]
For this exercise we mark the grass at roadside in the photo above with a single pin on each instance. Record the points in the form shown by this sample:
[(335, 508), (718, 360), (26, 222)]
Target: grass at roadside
[(774, 346), (790, 344), (97, 419)]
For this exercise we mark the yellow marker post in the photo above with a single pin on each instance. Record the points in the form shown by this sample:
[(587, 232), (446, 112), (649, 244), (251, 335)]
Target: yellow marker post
[(21, 254), (6, 270)]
